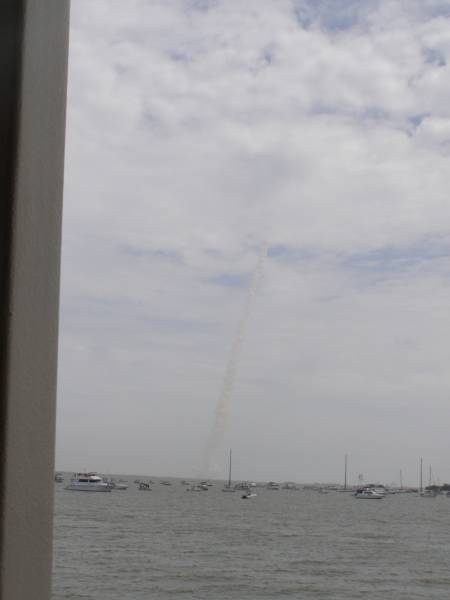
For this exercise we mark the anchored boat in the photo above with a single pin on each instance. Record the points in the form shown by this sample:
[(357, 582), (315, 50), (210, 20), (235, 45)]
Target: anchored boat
[(368, 494), (88, 482), (227, 487)]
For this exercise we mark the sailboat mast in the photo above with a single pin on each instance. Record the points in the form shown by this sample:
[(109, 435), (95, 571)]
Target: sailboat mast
[(229, 472), (345, 473), (421, 474), (401, 479)]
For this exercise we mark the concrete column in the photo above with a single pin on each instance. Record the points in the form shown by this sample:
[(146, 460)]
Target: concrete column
[(33, 72)]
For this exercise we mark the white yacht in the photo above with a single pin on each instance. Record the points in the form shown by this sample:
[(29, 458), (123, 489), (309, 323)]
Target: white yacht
[(88, 482)]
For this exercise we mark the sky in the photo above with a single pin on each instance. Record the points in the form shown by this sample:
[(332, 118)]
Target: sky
[(199, 132)]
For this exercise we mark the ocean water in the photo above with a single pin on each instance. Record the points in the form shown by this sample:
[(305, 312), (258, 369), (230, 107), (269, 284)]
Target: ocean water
[(169, 543)]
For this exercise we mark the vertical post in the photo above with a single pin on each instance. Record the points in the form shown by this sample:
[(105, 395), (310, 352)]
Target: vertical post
[(421, 475), (33, 73), (345, 473)]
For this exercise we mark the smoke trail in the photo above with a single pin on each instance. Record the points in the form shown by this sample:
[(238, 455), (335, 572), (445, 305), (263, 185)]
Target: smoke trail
[(216, 437)]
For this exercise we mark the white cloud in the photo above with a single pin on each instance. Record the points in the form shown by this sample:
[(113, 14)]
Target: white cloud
[(193, 135)]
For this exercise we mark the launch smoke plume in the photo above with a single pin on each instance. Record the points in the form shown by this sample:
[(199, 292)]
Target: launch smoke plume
[(215, 440)]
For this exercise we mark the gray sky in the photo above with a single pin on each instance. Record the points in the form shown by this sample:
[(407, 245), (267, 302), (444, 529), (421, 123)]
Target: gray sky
[(197, 130)]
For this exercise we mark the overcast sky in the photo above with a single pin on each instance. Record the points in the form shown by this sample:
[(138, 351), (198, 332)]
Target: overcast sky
[(199, 130)]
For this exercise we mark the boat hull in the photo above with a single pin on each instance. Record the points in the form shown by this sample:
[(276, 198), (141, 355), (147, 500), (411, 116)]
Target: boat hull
[(369, 497), (88, 487)]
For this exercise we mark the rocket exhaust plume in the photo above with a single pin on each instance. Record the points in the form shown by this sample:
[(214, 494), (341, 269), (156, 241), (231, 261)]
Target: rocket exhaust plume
[(215, 442)]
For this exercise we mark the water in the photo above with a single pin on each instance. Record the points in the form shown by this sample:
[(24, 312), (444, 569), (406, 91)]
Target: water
[(169, 544)]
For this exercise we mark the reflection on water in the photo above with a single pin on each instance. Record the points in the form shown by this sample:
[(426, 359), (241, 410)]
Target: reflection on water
[(168, 543)]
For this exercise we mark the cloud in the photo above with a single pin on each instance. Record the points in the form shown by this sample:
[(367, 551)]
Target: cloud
[(198, 130)]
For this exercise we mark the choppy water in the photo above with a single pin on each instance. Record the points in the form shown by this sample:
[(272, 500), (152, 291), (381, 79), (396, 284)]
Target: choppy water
[(168, 544)]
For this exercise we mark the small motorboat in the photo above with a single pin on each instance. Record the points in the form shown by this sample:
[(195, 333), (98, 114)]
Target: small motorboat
[(368, 494), (144, 487), (242, 485), (272, 485), (59, 477), (248, 495), (197, 488), (118, 485), (289, 485), (428, 493)]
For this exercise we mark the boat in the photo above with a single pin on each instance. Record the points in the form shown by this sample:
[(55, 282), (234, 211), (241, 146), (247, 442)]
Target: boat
[(272, 486), (197, 488), (428, 493), (248, 495), (144, 486), (165, 483), (88, 482), (345, 472), (227, 487), (421, 477), (368, 494), (184, 482), (289, 485), (59, 477), (243, 485), (118, 485)]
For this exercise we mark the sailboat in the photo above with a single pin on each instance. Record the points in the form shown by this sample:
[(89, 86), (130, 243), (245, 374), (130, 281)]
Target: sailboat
[(227, 487), (345, 487), (430, 491)]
